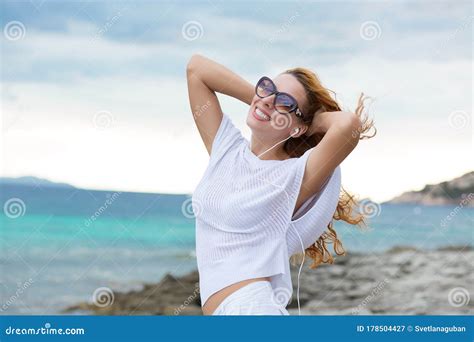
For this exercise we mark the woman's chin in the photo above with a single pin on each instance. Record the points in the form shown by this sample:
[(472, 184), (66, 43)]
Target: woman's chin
[(253, 123)]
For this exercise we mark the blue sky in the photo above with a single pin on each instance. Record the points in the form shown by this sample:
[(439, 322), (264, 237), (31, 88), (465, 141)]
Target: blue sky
[(94, 92)]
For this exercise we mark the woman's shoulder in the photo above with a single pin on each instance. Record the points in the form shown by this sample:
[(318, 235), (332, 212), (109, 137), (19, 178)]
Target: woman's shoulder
[(227, 136)]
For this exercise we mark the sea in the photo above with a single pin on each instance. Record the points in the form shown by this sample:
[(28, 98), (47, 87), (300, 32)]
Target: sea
[(59, 245)]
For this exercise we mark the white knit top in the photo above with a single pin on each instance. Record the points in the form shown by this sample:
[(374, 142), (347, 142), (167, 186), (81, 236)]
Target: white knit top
[(244, 206)]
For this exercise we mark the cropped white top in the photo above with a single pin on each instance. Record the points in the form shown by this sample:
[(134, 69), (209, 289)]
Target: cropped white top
[(243, 209)]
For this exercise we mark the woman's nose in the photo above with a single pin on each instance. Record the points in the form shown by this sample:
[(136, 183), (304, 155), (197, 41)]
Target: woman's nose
[(268, 102)]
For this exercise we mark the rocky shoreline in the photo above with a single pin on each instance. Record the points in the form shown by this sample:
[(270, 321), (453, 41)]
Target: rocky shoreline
[(401, 281), (458, 192)]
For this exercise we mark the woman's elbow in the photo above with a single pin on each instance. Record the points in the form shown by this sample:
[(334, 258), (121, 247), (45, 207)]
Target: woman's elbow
[(350, 125), (355, 125), (193, 64), (355, 122)]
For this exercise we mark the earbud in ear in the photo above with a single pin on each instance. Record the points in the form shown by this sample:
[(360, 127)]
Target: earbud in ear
[(296, 130)]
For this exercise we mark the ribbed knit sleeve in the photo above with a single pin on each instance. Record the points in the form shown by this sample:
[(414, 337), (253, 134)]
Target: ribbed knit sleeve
[(226, 137), (314, 221)]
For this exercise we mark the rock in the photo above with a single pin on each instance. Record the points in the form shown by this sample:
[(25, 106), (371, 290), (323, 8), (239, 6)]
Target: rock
[(458, 192), (402, 281), (456, 248), (171, 296), (399, 249)]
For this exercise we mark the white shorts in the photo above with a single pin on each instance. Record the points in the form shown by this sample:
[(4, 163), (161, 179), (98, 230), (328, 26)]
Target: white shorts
[(256, 298)]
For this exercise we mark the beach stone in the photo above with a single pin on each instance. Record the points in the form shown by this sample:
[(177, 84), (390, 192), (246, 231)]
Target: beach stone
[(402, 281)]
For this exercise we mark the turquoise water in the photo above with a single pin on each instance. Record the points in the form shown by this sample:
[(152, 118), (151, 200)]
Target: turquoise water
[(67, 259)]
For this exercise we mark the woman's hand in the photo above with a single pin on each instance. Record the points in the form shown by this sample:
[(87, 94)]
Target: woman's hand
[(219, 78), (317, 125), (205, 78)]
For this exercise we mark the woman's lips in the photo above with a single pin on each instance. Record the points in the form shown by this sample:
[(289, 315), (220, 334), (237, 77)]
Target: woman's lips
[(258, 117)]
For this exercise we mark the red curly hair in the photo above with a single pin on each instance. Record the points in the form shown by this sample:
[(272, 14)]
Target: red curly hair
[(319, 99)]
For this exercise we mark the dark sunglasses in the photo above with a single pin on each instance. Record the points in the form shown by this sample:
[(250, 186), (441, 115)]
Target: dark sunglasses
[(284, 103)]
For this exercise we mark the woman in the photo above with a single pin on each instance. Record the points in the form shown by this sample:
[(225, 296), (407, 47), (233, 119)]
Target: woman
[(263, 200)]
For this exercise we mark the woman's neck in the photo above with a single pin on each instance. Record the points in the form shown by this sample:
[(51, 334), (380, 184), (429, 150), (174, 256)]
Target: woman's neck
[(265, 151)]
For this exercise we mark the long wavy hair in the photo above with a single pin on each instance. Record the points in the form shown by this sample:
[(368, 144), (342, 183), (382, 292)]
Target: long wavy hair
[(319, 99)]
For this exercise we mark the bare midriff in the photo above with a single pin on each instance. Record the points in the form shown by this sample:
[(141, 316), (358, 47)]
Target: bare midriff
[(217, 298)]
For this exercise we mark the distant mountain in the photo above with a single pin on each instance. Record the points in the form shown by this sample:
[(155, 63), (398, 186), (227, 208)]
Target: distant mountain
[(459, 191), (42, 197)]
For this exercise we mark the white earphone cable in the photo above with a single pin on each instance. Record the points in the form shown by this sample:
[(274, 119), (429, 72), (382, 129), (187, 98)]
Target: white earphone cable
[(296, 130), (299, 272)]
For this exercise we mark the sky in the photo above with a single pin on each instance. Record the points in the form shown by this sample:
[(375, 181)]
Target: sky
[(94, 93)]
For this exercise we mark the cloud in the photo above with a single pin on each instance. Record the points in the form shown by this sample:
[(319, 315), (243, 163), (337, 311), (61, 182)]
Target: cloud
[(133, 67)]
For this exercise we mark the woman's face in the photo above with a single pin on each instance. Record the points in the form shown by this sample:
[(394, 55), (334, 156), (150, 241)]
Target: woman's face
[(274, 125)]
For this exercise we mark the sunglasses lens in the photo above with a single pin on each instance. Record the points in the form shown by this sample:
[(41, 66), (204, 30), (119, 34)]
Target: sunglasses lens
[(284, 104), (265, 88)]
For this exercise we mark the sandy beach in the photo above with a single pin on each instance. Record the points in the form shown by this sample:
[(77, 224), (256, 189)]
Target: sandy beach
[(401, 281)]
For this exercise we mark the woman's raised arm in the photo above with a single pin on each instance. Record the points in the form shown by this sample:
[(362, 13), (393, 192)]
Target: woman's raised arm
[(206, 77), (342, 133)]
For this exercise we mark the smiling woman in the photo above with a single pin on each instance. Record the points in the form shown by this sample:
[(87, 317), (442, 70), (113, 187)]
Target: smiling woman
[(255, 211)]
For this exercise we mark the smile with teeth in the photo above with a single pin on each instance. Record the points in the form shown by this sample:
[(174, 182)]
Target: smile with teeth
[(262, 115)]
